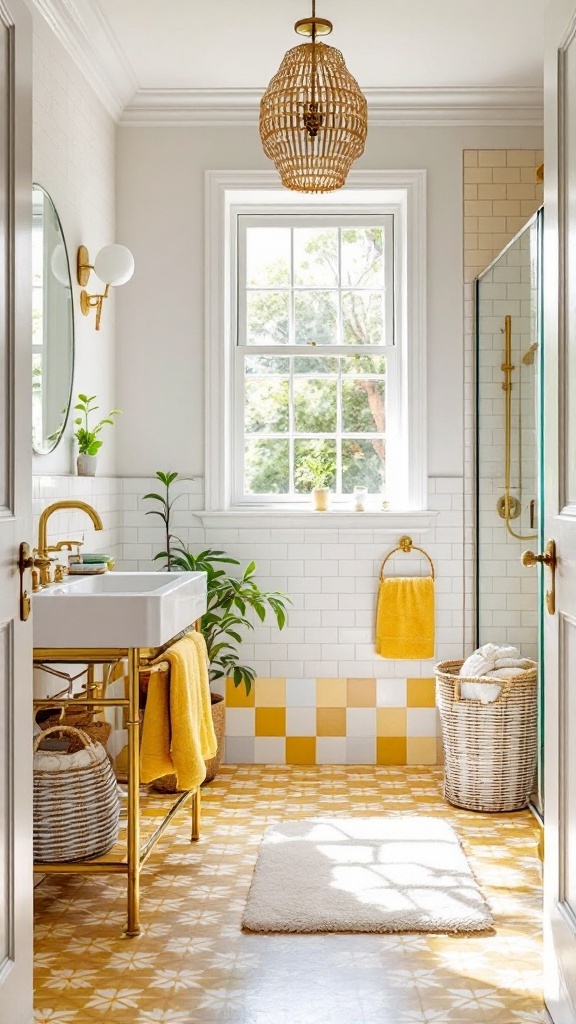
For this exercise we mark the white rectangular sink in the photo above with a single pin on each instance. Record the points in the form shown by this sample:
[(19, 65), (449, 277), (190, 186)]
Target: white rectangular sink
[(117, 609)]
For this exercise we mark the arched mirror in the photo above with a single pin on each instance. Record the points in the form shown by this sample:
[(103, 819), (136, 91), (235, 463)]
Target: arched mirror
[(52, 325)]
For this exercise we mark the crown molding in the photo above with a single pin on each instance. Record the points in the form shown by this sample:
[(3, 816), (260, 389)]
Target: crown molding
[(90, 42), (87, 36), (386, 107)]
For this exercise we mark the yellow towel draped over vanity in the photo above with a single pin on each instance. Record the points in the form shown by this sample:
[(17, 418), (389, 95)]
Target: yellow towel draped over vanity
[(405, 617), (177, 733)]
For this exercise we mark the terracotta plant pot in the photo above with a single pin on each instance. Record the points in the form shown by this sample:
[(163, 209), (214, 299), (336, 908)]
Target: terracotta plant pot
[(321, 498), (86, 464), (167, 784)]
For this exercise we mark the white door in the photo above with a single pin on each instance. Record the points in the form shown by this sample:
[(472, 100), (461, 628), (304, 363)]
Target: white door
[(560, 510), (15, 513)]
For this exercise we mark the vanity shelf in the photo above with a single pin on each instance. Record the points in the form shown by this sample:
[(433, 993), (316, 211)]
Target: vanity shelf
[(139, 659)]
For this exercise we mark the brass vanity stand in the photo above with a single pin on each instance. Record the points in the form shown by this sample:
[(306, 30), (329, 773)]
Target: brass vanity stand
[(136, 856)]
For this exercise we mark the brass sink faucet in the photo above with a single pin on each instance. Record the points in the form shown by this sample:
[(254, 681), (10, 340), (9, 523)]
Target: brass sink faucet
[(43, 549)]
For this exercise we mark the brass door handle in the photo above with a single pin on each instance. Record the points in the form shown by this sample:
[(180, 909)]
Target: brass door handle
[(25, 561), (28, 559), (548, 557)]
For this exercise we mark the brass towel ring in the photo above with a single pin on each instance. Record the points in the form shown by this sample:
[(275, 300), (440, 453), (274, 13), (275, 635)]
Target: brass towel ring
[(405, 544)]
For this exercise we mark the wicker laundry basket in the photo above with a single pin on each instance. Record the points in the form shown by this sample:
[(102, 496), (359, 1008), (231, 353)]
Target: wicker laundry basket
[(76, 800), (490, 750)]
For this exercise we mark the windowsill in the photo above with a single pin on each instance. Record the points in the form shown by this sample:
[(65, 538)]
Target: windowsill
[(286, 518)]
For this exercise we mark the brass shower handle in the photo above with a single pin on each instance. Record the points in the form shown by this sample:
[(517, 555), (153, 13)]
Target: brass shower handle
[(548, 557), (529, 559)]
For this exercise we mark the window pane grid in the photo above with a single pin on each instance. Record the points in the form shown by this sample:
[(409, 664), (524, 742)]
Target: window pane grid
[(339, 410), (299, 457), (315, 357), (291, 420), (340, 290)]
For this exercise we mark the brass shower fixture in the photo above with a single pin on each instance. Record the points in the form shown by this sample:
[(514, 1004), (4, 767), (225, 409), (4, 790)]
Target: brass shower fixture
[(508, 506), (528, 357)]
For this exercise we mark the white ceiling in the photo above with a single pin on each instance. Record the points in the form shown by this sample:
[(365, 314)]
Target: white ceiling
[(191, 44), (208, 61)]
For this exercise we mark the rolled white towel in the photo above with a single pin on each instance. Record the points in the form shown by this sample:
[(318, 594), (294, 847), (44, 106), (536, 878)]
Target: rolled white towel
[(490, 660), (522, 664), (486, 659), (486, 693), (479, 663), (507, 672)]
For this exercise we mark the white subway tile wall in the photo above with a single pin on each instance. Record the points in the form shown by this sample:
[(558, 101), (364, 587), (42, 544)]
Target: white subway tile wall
[(327, 647), (103, 493), (333, 598)]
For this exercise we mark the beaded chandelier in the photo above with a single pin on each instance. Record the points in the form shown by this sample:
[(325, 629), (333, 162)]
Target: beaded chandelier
[(313, 116)]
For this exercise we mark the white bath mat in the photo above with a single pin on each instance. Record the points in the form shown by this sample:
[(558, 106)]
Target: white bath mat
[(387, 874)]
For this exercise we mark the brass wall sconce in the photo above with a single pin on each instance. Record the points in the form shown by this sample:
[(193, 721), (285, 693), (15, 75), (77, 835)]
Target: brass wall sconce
[(114, 265)]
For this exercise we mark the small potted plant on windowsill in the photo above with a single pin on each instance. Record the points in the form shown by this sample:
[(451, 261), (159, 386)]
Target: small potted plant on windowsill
[(88, 442), (315, 472)]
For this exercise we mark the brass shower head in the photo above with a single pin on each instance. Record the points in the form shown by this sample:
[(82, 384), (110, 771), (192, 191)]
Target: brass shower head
[(528, 357)]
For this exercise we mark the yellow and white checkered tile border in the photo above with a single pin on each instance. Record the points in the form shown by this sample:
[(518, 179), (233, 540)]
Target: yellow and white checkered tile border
[(332, 721)]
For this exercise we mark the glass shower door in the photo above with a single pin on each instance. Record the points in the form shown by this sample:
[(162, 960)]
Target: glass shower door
[(508, 445)]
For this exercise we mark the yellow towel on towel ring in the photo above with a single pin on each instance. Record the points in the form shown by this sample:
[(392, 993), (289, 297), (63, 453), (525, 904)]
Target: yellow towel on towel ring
[(405, 617)]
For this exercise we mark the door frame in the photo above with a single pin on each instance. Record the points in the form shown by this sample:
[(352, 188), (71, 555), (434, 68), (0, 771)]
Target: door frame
[(16, 517)]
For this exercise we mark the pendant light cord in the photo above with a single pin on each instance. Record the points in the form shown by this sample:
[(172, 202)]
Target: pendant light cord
[(313, 105)]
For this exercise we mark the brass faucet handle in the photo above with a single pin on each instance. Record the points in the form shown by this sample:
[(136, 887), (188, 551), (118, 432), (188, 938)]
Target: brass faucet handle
[(59, 573), (39, 561), (45, 572), (69, 545), (43, 563)]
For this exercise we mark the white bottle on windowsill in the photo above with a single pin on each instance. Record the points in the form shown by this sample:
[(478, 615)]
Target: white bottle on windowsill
[(360, 499)]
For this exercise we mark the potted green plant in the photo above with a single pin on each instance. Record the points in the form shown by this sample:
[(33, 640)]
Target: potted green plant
[(88, 441), (230, 600), (234, 602), (165, 501), (315, 471)]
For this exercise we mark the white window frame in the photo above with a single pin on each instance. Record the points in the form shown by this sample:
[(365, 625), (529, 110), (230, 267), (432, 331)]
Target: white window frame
[(402, 193)]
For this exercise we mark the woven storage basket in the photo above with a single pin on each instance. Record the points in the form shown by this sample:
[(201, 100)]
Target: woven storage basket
[(490, 750), (76, 801)]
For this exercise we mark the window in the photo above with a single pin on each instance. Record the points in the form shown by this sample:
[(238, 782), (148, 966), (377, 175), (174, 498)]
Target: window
[(315, 342), (315, 373)]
